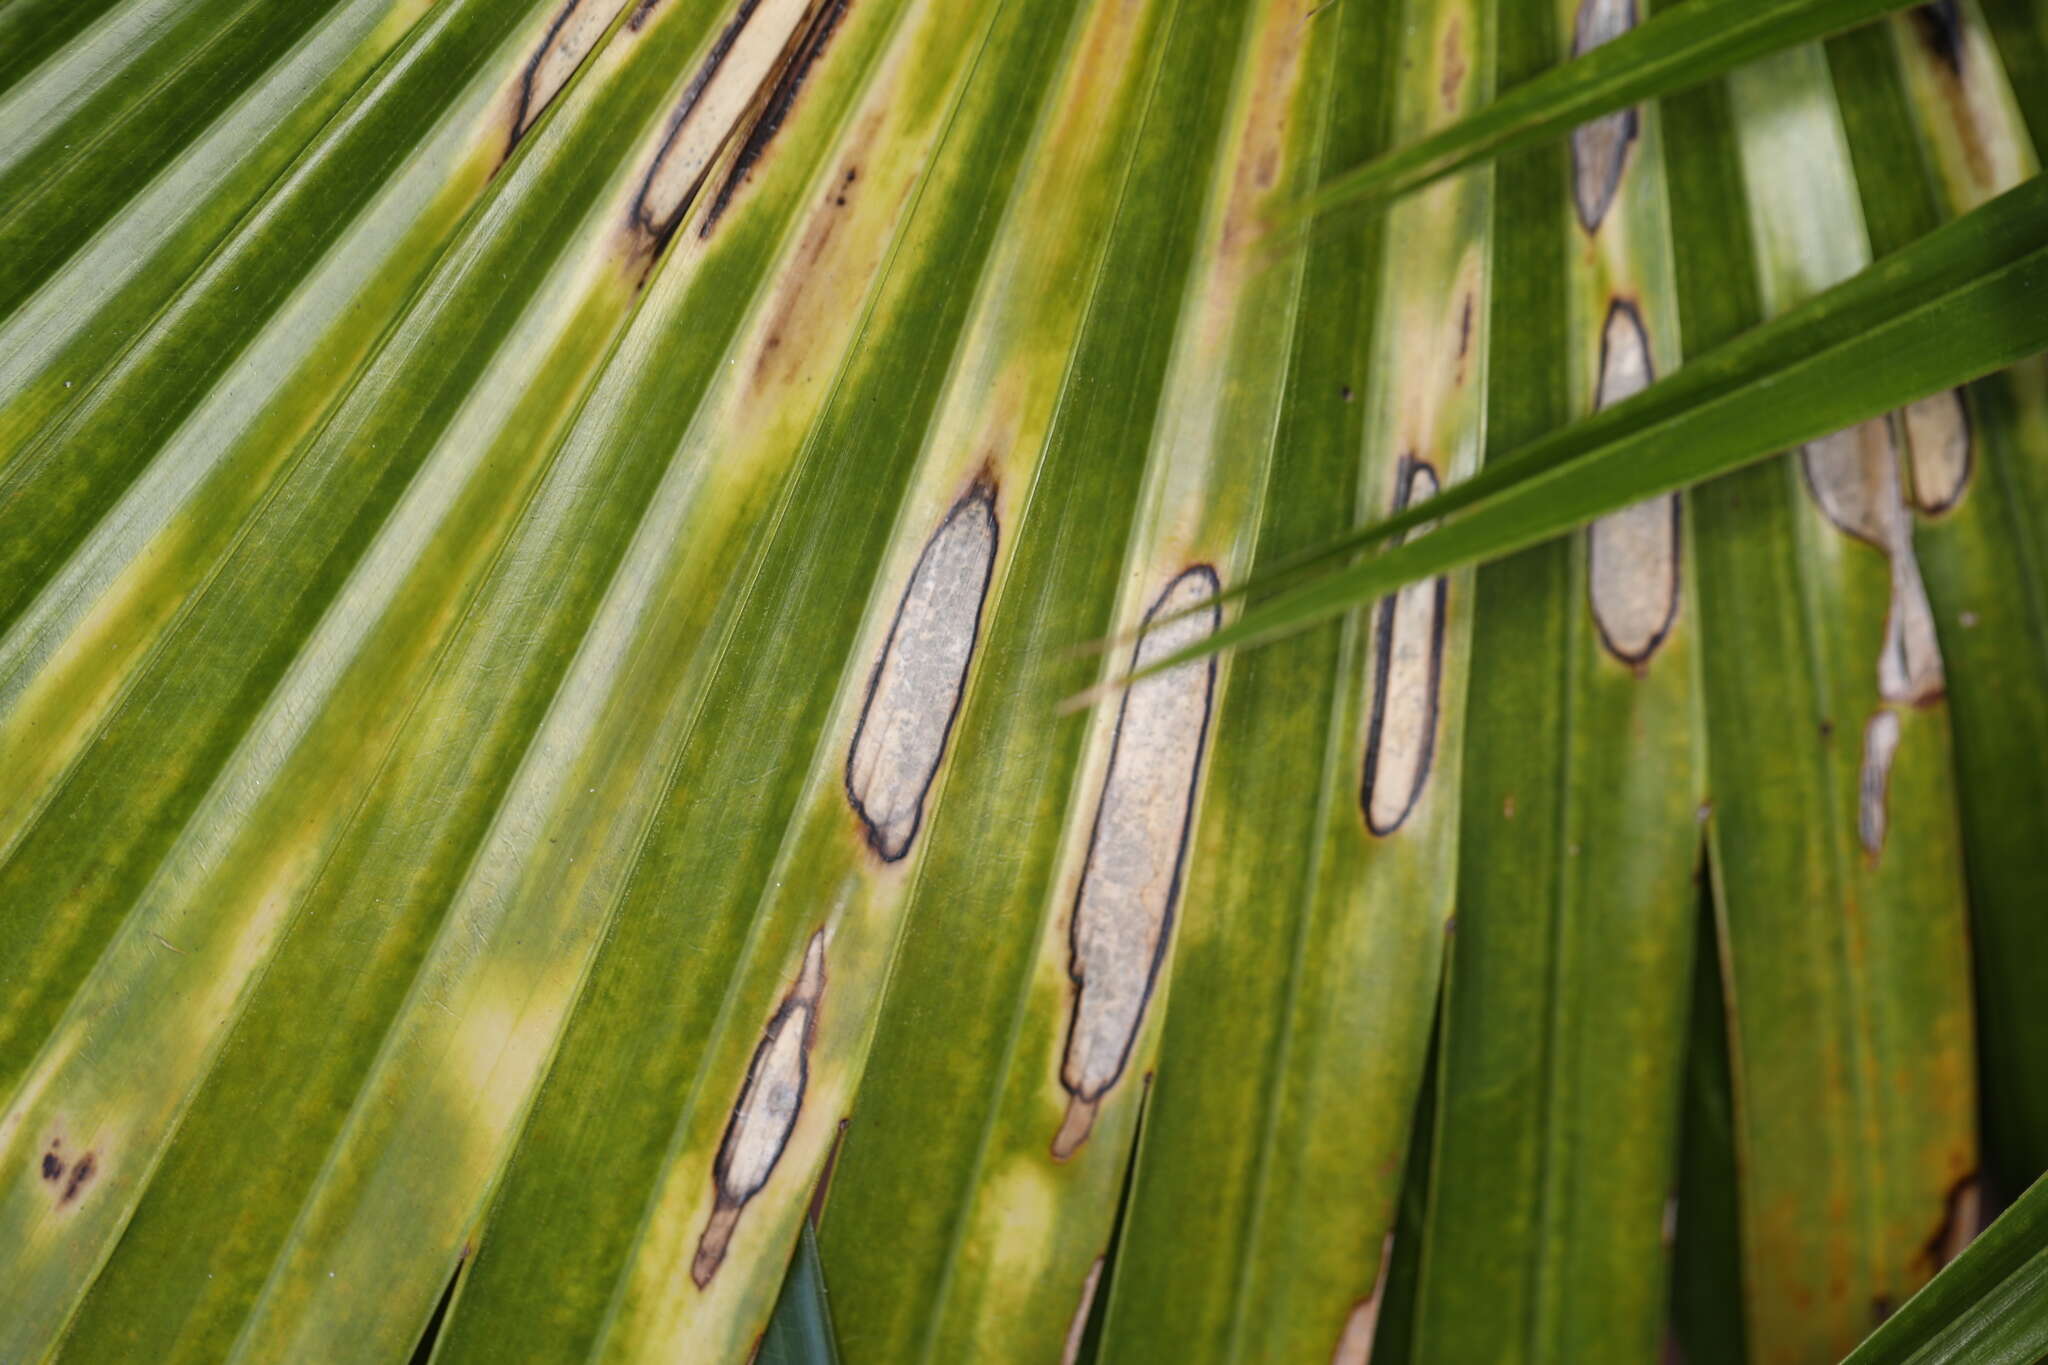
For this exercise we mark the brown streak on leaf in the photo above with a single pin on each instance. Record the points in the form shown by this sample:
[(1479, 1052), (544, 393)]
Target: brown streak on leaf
[(1454, 67), (81, 1176), (779, 98)]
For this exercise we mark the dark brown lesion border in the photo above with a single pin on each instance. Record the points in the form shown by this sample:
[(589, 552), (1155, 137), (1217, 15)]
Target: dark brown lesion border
[(1625, 310), (979, 497), (656, 232), (1383, 655), (1083, 1099), (805, 994), (775, 108), (1954, 496), (1592, 213)]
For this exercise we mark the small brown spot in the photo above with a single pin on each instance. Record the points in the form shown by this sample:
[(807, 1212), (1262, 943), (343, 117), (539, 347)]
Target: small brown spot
[(1465, 329), (1345, 391), (53, 1166), (81, 1174), (1507, 808), (1454, 64)]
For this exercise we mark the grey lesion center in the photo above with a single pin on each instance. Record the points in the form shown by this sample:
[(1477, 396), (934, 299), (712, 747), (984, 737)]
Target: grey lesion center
[(765, 1114), (915, 689), (1633, 555), (1408, 640), (1123, 911), (1600, 147)]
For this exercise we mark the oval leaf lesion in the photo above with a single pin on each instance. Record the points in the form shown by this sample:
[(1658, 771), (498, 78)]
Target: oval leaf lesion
[(1600, 146), (1941, 447), (570, 37), (1407, 675), (914, 692), (1853, 477), (1633, 555), (1123, 912), (766, 1112)]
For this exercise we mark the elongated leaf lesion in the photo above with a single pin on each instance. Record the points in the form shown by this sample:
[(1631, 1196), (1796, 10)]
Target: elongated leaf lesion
[(765, 1114), (1123, 913), (914, 693), (1407, 682)]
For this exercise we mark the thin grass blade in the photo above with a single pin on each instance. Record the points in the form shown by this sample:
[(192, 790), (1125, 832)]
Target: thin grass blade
[(1682, 46)]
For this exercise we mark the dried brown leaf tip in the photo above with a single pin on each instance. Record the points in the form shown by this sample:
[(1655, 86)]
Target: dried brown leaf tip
[(1131, 881), (766, 1112), (1633, 558), (1600, 147), (915, 689), (1407, 674)]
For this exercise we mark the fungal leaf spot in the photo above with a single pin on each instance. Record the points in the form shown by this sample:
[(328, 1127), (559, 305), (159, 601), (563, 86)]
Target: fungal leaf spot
[(743, 58), (1854, 478), (1633, 554), (1909, 670), (766, 1112), (914, 691), (1880, 744), (1600, 147), (1454, 68), (781, 97), (1940, 450), (1408, 659), (1123, 913), (569, 39)]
